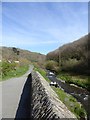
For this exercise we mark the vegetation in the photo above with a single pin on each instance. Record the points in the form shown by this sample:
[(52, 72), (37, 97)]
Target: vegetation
[(73, 61), (72, 104), (72, 57), (78, 80), (9, 70), (13, 54), (42, 72), (52, 65), (0, 71), (15, 61)]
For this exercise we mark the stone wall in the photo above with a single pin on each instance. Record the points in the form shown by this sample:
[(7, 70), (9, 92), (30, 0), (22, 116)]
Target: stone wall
[(45, 102)]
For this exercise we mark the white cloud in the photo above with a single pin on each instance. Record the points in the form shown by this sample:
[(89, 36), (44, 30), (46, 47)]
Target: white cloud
[(43, 24)]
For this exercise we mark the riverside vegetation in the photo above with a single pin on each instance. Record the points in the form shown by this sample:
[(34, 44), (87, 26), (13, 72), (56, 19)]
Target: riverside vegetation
[(79, 80)]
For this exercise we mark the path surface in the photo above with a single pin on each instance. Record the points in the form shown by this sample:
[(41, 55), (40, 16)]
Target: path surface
[(11, 93)]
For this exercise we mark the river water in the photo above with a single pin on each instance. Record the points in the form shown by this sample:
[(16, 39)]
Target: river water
[(82, 95)]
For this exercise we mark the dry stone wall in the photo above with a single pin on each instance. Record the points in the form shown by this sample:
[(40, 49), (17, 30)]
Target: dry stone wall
[(45, 102)]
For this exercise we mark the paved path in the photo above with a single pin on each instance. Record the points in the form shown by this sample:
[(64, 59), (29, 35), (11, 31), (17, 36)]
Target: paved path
[(11, 93)]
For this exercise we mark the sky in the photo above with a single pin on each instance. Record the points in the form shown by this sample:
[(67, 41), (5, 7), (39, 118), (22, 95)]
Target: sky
[(43, 26)]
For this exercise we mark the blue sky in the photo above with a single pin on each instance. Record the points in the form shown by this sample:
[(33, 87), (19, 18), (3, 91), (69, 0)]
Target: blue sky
[(43, 27)]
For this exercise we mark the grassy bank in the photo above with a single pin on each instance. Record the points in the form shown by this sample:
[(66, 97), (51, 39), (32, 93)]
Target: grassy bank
[(43, 73), (16, 73), (10, 70), (72, 104), (79, 80)]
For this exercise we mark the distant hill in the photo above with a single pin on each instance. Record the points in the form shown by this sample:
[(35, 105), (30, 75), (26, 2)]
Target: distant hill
[(12, 54), (73, 56)]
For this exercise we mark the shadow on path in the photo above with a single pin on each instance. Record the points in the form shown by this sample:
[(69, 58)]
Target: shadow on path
[(24, 108)]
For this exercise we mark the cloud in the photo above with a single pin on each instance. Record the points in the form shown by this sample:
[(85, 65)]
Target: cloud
[(46, 24)]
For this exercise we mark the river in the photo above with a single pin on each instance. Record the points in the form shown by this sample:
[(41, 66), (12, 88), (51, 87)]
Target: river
[(82, 95)]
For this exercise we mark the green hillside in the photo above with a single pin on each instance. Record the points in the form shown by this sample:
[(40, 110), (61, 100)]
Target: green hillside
[(15, 62), (12, 54), (73, 56)]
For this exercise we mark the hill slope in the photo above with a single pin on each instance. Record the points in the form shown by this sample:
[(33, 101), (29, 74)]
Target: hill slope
[(12, 54), (73, 56)]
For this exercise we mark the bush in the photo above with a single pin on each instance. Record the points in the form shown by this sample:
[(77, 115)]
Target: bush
[(52, 65), (68, 65), (9, 70), (6, 67)]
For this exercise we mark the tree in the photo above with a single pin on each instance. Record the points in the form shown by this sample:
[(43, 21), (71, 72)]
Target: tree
[(52, 65), (14, 50)]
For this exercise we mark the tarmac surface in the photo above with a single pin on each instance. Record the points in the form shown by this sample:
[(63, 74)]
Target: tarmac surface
[(10, 95)]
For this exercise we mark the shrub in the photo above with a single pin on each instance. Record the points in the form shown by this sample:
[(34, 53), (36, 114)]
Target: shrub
[(52, 65), (68, 65), (6, 67), (9, 70)]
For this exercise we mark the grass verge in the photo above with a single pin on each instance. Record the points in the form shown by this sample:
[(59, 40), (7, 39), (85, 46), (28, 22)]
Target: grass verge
[(42, 72), (15, 73), (72, 104)]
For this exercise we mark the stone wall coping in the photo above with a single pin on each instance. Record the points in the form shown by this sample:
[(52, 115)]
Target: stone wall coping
[(58, 106)]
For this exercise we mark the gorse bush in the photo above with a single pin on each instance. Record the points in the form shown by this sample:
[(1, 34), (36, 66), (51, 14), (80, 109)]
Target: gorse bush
[(7, 67), (12, 69)]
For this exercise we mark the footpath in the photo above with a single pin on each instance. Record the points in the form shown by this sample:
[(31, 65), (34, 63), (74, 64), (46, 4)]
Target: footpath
[(10, 94)]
